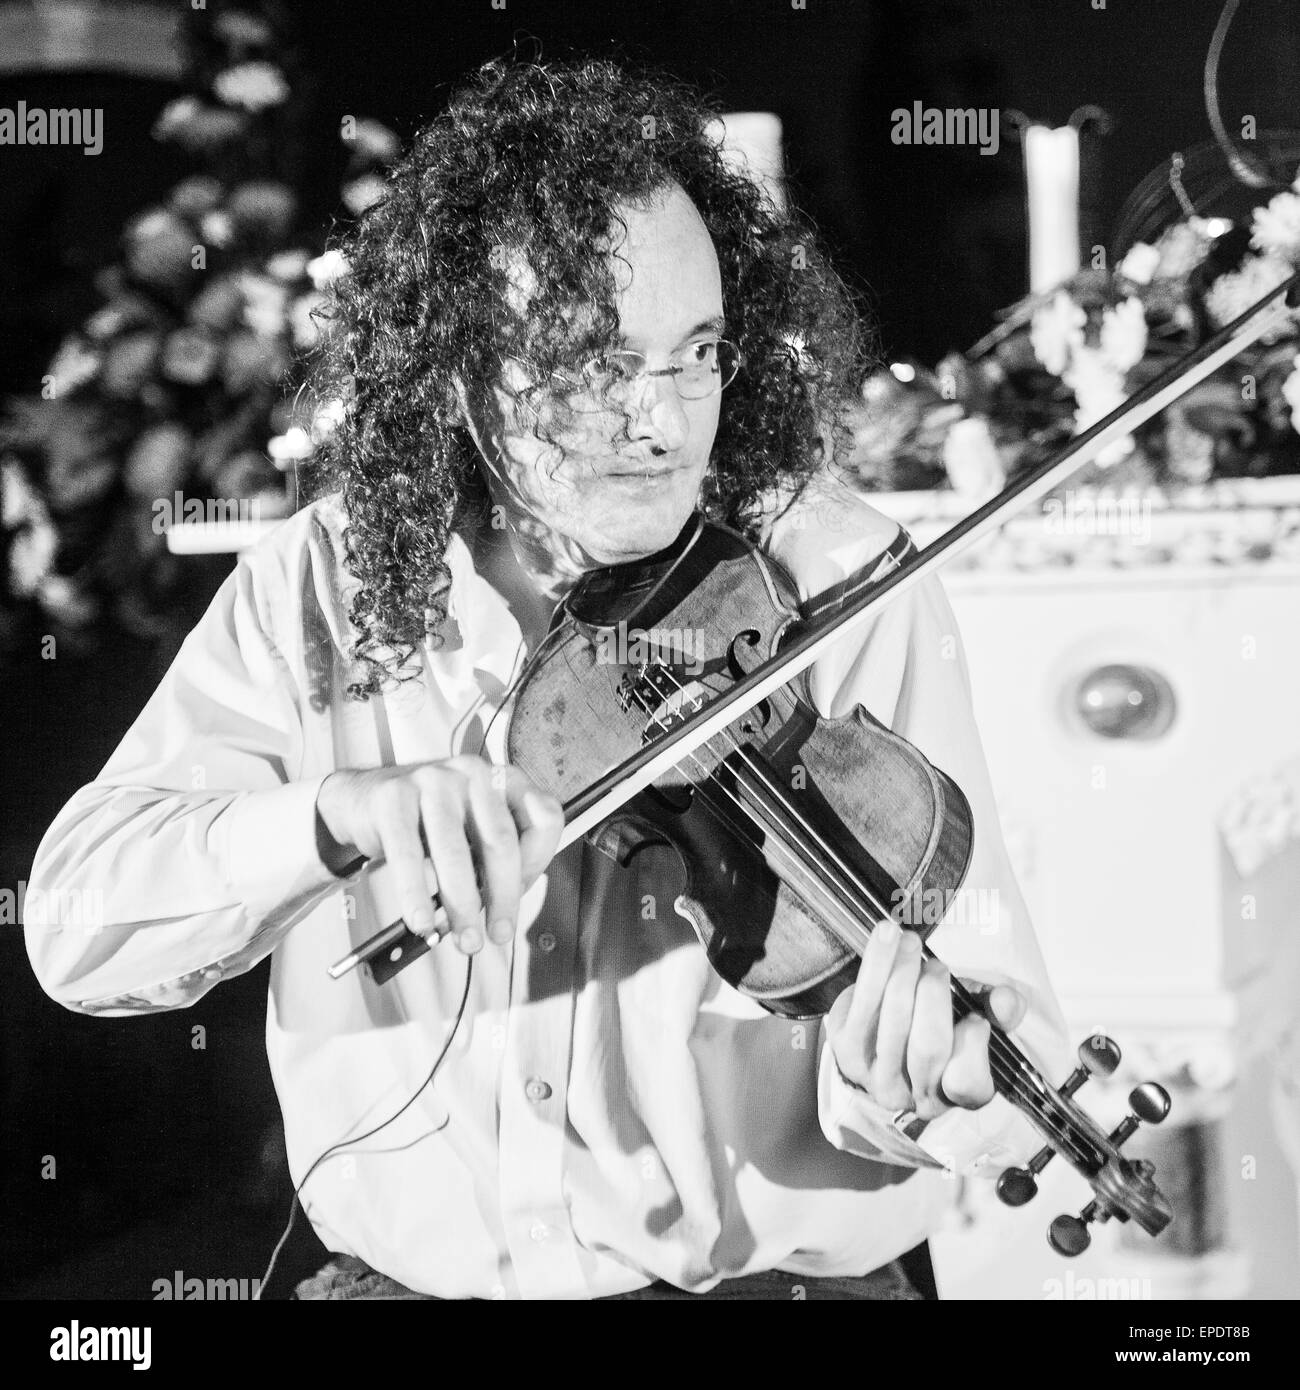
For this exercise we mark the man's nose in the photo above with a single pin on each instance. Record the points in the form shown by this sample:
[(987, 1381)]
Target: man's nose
[(657, 414)]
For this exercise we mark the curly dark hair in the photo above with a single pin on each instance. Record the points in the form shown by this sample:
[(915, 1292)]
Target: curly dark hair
[(531, 159)]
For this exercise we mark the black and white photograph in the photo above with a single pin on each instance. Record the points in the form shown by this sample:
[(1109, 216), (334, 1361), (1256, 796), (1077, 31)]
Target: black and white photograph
[(650, 653)]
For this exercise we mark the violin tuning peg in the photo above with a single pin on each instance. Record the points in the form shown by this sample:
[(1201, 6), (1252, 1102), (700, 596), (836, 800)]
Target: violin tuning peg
[(1098, 1056), (1150, 1102), (1016, 1186), (1068, 1235)]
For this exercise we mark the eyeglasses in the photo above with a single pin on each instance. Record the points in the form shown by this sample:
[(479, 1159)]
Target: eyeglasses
[(699, 370)]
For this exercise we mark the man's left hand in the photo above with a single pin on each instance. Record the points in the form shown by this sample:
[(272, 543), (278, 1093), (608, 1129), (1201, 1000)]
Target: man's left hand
[(893, 1033)]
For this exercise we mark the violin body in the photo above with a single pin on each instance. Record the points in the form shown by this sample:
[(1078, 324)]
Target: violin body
[(642, 645), (797, 833)]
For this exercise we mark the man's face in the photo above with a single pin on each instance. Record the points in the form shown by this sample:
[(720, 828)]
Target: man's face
[(615, 496)]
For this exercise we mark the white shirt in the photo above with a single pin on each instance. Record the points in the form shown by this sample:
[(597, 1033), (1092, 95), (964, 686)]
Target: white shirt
[(610, 1111)]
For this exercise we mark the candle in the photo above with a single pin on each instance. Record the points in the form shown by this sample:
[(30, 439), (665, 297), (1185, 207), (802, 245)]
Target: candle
[(1052, 181)]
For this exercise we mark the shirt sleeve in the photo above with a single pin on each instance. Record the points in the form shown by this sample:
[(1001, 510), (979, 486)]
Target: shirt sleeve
[(909, 671), (194, 851)]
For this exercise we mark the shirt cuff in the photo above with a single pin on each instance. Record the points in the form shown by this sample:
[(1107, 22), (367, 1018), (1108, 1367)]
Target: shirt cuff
[(269, 852), (961, 1142), (857, 1124)]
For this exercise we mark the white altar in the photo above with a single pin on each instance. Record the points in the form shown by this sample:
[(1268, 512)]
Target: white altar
[(1162, 868)]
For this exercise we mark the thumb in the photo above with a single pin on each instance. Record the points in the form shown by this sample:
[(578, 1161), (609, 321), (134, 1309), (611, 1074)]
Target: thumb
[(1004, 1004)]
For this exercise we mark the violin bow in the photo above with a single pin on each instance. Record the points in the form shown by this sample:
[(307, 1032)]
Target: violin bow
[(396, 946)]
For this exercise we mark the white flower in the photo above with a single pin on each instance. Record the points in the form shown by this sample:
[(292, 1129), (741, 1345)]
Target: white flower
[(73, 365), (1098, 388), (376, 140), (971, 459), (1056, 330), (176, 113), (290, 447), (217, 227), (31, 557), (1276, 228), (264, 304), (1139, 265), (304, 329), (1291, 392), (254, 86), (1182, 248), (18, 502), (1234, 292), (1124, 333), (362, 192), (327, 268), (288, 265)]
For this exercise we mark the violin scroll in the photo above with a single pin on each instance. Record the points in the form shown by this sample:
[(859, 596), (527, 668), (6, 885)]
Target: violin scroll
[(1124, 1189)]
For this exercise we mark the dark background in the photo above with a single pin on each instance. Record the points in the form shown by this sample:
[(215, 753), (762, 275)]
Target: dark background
[(166, 1156)]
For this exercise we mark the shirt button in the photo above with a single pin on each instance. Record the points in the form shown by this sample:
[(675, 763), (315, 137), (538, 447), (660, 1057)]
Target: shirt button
[(546, 941), (538, 1232), (537, 1089)]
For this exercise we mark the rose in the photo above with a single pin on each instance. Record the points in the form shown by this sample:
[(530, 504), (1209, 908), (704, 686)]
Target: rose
[(250, 361), (159, 247), (194, 196), (190, 356), (219, 306), (129, 363), (254, 86), (158, 463), (263, 208)]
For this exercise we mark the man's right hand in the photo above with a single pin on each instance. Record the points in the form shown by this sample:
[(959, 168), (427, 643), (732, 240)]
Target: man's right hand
[(487, 829)]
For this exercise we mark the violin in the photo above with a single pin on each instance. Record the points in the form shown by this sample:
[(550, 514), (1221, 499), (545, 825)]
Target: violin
[(797, 834)]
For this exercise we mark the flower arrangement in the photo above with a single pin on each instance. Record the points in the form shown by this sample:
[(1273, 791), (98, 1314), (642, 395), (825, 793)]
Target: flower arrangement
[(1058, 362), (181, 384)]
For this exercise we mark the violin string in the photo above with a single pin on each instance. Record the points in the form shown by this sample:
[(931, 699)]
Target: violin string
[(1006, 1062), (1032, 1100), (807, 829)]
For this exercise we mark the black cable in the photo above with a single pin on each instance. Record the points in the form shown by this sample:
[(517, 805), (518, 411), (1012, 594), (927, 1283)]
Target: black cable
[(406, 1105)]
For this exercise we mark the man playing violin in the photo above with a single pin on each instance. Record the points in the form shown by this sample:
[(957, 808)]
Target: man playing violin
[(567, 327)]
